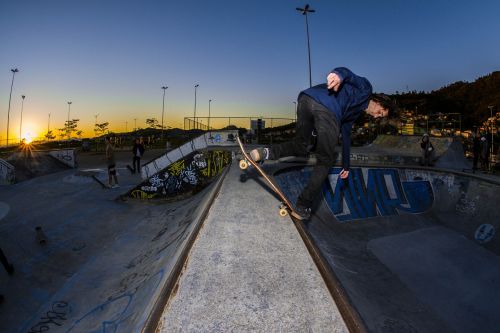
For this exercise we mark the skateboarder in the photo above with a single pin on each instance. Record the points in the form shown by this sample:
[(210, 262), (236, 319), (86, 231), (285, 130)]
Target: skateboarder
[(138, 151), (323, 112), (427, 150), (110, 158)]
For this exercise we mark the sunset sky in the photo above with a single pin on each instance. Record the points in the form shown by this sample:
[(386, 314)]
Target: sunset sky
[(250, 57)]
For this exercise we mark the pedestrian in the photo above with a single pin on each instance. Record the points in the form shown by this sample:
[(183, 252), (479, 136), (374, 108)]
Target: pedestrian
[(110, 158), (324, 111), (427, 150), (476, 150), (138, 152)]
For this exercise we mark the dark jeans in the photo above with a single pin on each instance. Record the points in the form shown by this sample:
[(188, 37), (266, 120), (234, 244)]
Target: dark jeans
[(312, 116), (136, 161)]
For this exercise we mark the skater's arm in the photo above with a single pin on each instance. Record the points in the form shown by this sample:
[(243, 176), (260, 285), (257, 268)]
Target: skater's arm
[(346, 76)]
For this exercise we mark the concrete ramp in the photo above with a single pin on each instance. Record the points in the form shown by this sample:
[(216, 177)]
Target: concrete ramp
[(187, 175), (415, 250), (107, 265)]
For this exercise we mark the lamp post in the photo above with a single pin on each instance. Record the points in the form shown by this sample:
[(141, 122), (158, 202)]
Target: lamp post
[(163, 110), (69, 110), (304, 12), (194, 118), (95, 124), (48, 128), (14, 71), (295, 110), (135, 124), (208, 126), (21, 124)]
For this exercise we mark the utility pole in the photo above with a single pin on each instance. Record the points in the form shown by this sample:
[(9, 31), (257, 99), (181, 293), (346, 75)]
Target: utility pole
[(14, 71), (304, 12)]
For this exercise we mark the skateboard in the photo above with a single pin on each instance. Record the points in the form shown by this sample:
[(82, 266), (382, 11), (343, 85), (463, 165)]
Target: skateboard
[(100, 182), (285, 206)]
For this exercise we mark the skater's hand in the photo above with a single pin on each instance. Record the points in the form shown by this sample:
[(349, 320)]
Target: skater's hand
[(333, 81), (344, 174)]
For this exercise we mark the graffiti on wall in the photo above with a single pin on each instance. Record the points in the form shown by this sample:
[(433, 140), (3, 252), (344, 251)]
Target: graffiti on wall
[(190, 173), (375, 192)]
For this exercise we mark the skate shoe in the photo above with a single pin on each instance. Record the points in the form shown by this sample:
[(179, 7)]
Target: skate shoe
[(259, 154)]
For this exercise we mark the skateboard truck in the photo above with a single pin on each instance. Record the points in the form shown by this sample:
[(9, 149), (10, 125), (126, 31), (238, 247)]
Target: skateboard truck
[(285, 207)]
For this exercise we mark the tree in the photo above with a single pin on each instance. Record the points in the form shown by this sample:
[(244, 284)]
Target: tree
[(152, 123), (69, 127), (50, 136), (101, 128)]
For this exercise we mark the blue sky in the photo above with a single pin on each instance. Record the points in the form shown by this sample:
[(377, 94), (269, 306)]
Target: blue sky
[(112, 57)]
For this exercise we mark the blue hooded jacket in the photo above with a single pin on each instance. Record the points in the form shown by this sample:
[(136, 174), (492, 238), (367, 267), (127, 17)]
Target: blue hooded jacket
[(347, 104)]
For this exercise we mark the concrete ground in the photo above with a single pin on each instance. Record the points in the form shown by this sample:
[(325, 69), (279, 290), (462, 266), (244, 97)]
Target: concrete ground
[(250, 271)]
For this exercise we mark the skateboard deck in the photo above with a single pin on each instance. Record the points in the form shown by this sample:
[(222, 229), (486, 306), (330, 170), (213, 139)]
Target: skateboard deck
[(286, 206)]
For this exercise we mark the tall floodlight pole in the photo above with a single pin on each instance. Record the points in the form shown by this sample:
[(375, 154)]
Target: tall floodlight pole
[(163, 110), (69, 110), (304, 12), (194, 118), (14, 71), (48, 128), (21, 123), (492, 139), (135, 124)]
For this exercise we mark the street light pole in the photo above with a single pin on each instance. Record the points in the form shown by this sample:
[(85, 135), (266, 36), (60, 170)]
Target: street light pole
[(209, 101), (21, 124), (14, 71), (163, 110), (304, 12), (295, 110), (194, 118), (69, 110)]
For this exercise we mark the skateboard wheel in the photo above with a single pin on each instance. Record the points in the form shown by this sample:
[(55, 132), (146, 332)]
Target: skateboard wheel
[(283, 212), (243, 164)]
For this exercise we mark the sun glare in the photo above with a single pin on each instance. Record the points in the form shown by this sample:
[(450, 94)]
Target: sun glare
[(28, 139)]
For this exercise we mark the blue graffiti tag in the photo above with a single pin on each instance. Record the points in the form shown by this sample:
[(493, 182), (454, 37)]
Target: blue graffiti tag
[(383, 194)]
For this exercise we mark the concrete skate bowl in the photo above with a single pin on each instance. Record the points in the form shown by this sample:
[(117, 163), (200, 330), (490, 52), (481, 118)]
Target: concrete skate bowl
[(413, 250), (184, 177), (108, 267), (29, 164), (409, 144)]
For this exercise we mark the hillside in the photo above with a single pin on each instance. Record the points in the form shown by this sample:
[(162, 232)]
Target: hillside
[(469, 99)]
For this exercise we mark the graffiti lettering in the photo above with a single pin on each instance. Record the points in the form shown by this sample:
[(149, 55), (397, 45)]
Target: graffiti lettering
[(54, 317), (176, 168), (382, 194), (189, 173)]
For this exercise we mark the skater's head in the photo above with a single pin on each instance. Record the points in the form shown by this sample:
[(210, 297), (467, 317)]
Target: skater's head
[(382, 106), (425, 137)]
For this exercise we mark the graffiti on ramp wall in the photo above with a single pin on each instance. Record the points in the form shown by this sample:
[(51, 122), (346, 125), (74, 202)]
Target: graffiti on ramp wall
[(188, 174)]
